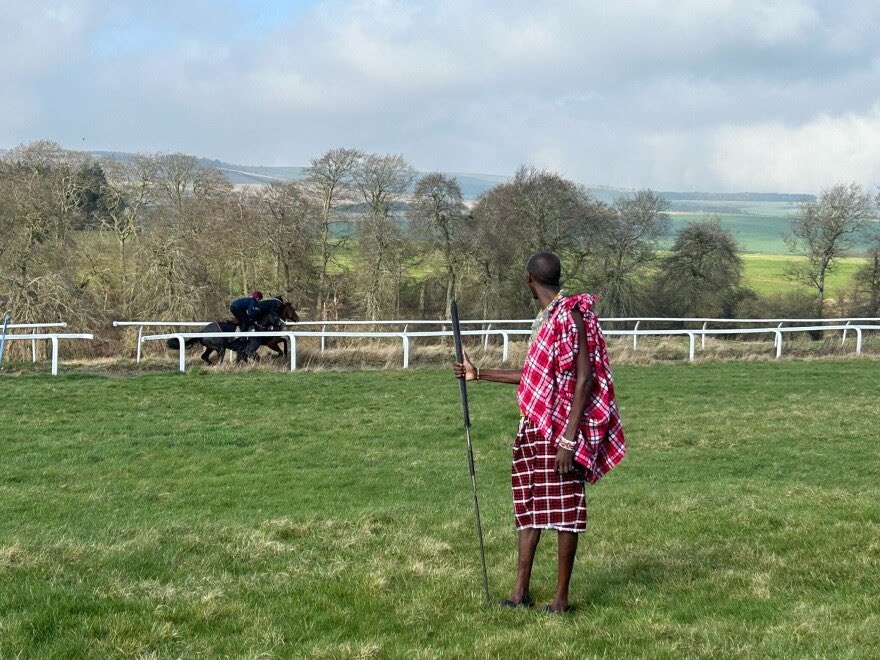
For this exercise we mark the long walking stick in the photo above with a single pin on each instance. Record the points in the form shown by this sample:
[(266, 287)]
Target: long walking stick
[(459, 357)]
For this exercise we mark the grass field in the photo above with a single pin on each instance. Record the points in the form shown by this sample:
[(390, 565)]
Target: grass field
[(328, 514), (766, 273), (757, 229)]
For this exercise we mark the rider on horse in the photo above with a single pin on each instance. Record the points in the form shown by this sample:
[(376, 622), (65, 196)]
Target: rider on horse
[(243, 309), (265, 312)]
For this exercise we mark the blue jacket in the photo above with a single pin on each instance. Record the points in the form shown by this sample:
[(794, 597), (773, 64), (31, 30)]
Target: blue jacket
[(264, 308), (246, 304)]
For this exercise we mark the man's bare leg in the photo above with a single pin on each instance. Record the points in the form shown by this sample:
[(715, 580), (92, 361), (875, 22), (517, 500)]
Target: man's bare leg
[(568, 543), (528, 543)]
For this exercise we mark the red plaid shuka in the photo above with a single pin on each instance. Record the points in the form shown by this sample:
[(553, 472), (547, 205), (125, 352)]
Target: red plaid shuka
[(542, 497), (547, 387)]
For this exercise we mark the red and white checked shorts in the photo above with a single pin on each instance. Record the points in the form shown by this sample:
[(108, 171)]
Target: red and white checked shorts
[(541, 497)]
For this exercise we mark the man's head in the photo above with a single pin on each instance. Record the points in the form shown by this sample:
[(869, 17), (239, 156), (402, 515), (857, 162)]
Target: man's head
[(257, 295), (543, 271)]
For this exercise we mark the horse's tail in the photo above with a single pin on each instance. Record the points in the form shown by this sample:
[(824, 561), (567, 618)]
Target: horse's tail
[(174, 344)]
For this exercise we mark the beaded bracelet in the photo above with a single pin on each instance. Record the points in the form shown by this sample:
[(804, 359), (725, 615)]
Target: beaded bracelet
[(567, 445)]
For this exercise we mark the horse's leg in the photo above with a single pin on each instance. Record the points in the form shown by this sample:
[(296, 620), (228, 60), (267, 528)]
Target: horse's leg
[(274, 343), (220, 355), (206, 355)]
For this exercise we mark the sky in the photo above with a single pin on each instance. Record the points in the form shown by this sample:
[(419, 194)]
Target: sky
[(687, 95)]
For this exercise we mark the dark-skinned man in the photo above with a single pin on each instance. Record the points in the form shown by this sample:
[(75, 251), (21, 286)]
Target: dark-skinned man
[(570, 430)]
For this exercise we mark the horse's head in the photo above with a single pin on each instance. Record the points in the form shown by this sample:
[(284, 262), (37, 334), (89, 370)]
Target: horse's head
[(288, 313)]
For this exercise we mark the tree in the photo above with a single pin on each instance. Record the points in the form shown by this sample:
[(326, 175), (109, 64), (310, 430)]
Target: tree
[(329, 179), (867, 285), (438, 214), (382, 181), (126, 196), (624, 251), (535, 211), (290, 226), (702, 273), (825, 230)]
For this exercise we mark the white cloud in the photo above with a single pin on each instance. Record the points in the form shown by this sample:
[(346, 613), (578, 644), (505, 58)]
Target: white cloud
[(671, 95), (812, 155)]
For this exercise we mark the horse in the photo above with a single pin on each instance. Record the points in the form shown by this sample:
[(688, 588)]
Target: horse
[(240, 343)]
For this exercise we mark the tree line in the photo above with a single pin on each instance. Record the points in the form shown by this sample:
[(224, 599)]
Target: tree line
[(361, 235)]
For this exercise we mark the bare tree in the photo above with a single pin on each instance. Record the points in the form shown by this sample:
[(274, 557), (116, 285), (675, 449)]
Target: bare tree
[(290, 224), (126, 195), (825, 230), (618, 261), (383, 181), (329, 179), (535, 211), (438, 214), (867, 285), (702, 272)]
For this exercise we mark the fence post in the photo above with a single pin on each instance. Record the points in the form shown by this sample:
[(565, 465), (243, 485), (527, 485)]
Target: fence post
[(486, 337), (33, 350), (291, 347), (182, 363), (843, 339), (137, 358), (636, 335), (692, 341), (506, 350), (54, 355), (778, 341), (858, 340), (323, 338), (3, 332), (703, 344), (405, 351), (779, 335)]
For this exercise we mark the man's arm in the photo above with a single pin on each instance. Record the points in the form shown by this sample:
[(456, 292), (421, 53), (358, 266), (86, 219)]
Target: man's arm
[(583, 383), (470, 371)]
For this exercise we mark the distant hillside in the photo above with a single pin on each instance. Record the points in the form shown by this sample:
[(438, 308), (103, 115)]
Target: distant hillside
[(737, 197), (473, 185)]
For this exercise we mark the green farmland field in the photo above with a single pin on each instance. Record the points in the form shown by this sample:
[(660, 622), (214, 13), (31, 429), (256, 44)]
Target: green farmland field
[(263, 514), (766, 273)]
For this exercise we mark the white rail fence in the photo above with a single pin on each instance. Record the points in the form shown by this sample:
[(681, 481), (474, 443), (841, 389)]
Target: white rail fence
[(491, 326), (32, 327), (53, 338), (406, 337)]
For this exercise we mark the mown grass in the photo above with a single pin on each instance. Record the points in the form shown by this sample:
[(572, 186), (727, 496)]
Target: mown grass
[(329, 514)]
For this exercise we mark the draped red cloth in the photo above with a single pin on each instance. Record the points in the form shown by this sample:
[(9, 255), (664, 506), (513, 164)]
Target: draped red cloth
[(547, 387)]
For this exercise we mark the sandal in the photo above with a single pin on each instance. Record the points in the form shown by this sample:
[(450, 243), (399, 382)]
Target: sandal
[(525, 602), (549, 610)]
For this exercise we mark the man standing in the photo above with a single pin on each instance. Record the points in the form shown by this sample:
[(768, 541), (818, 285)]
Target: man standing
[(570, 430)]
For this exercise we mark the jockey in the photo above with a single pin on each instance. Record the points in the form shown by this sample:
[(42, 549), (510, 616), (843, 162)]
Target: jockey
[(265, 312), (243, 309)]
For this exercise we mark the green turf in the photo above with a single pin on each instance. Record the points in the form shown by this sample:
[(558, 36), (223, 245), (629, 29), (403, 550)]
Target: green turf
[(754, 233), (766, 273), (277, 515), (757, 229)]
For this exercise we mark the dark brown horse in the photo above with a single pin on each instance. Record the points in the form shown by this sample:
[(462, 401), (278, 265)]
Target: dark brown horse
[(244, 348)]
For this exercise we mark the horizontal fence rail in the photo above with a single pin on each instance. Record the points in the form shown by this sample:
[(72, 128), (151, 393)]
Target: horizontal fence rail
[(406, 337), (53, 338), (35, 326), (637, 322)]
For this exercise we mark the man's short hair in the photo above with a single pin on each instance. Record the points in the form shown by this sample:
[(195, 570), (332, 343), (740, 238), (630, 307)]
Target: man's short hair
[(545, 268)]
